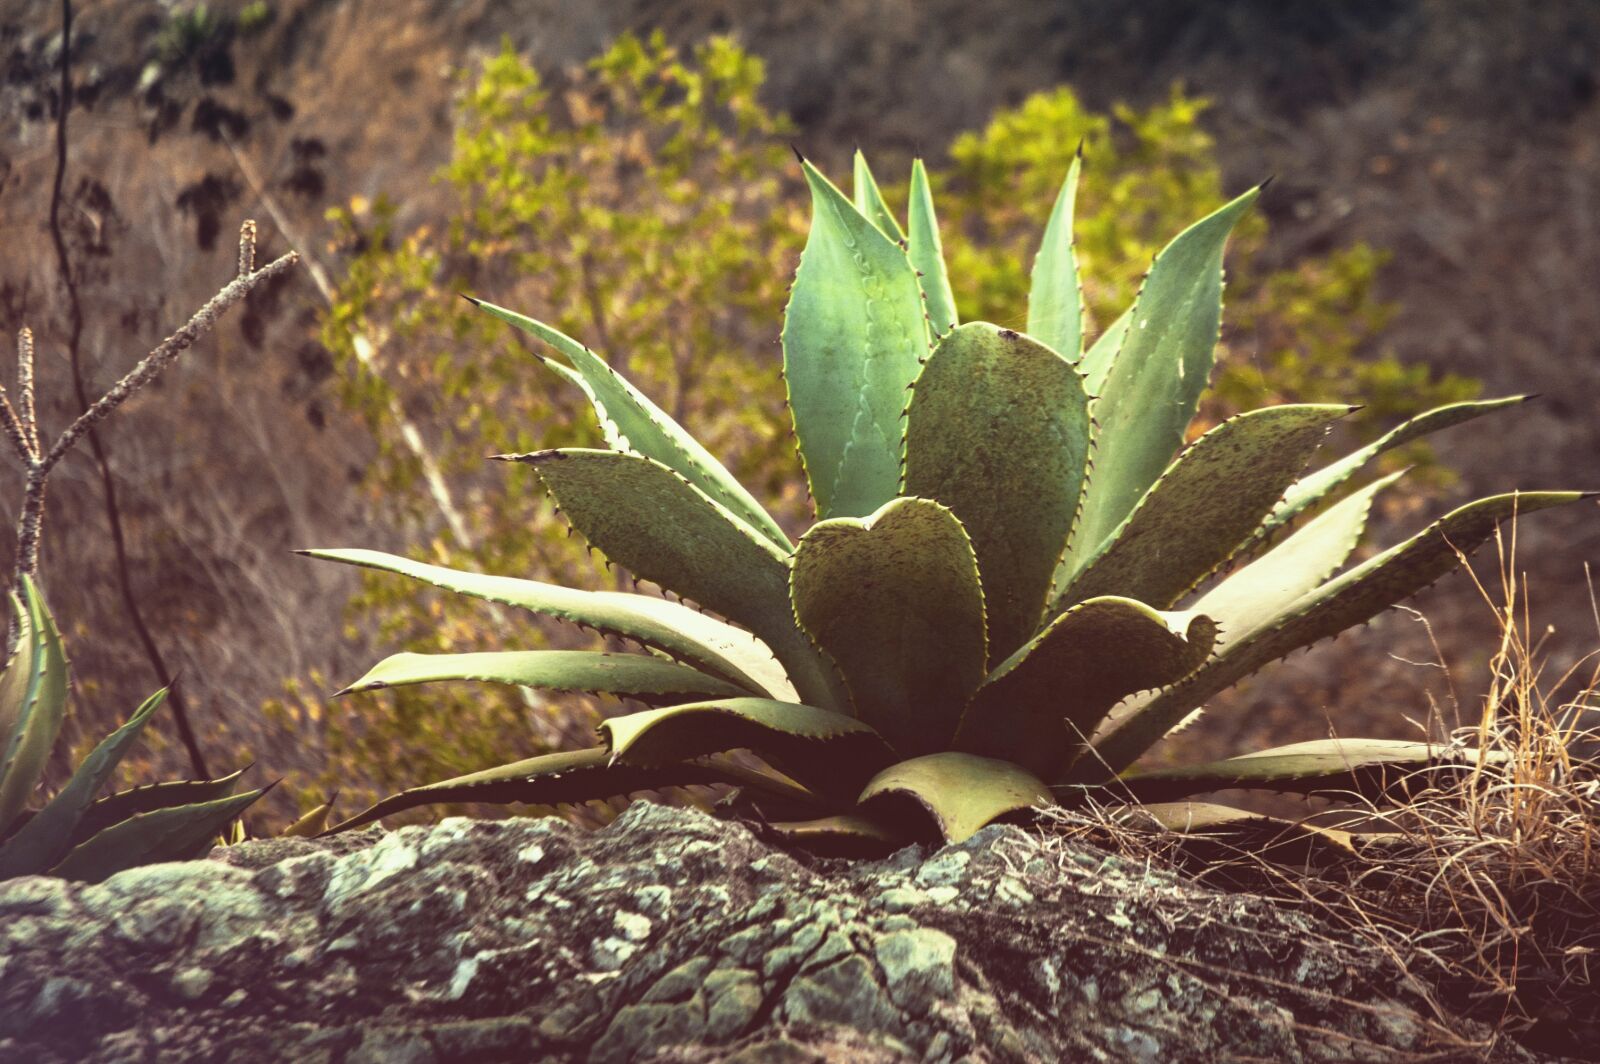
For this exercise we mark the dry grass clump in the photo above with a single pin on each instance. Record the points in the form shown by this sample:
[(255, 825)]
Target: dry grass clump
[(1482, 885)]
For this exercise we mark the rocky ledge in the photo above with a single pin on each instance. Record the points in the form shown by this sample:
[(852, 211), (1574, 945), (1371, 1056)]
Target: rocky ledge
[(672, 936)]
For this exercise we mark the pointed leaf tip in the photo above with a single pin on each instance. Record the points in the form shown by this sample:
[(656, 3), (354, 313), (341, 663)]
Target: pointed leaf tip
[(474, 300)]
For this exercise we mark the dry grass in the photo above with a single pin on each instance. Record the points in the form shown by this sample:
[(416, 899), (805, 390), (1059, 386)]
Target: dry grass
[(1483, 887)]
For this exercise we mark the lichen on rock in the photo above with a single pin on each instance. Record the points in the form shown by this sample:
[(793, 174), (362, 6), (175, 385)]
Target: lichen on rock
[(674, 936)]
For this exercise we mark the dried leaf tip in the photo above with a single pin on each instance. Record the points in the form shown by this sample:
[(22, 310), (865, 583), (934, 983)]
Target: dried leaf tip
[(532, 457), (474, 300)]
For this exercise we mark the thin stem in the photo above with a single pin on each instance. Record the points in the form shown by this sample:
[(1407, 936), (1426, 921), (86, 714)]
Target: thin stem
[(39, 466), (30, 522), (247, 248), (25, 388), (164, 355)]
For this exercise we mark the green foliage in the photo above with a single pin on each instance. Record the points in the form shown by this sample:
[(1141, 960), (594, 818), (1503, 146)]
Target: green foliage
[(948, 713), (76, 835), (644, 203)]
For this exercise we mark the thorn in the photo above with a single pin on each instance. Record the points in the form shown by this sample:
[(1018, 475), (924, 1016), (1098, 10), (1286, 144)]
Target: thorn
[(471, 299), (1079, 152), (796, 149), (1263, 186)]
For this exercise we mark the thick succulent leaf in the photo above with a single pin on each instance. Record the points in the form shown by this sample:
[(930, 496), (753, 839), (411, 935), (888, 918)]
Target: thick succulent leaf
[(1096, 361), (869, 199), (1365, 767), (1040, 706), (1260, 591), (686, 634), (47, 835), (854, 337), (1055, 300), (1346, 600), (846, 835), (998, 430), (633, 675), (313, 823), (130, 803), (170, 834), (634, 424), (1315, 487), (926, 252), (661, 528), (895, 600), (1217, 833), (42, 709), (550, 779), (1203, 508), (18, 672), (960, 792), (827, 751), (1153, 387)]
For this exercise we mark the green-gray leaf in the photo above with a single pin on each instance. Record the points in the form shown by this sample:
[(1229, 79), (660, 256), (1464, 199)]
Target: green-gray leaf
[(854, 336), (1365, 766), (1041, 705), (869, 199), (829, 752), (1260, 591), (1153, 387), (1055, 300), (633, 675), (46, 836), (998, 430), (43, 707), (1204, 506), (709, 644), (661, 528), (960, 792), (634, 424), (1347, 600), (926, 252), (124, 804), (1315, 487), (895, 600), (170, 834), (1096, 362), (550, 779)]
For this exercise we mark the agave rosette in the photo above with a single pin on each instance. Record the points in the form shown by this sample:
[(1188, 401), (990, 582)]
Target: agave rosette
[(1011, 592), (79, 834)]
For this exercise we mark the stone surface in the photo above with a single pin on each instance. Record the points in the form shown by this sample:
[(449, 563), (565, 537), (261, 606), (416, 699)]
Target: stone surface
[(672, 936)]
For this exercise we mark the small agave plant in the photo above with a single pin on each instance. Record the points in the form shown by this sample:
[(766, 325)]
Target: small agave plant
[(77, 835), (1011, 592)]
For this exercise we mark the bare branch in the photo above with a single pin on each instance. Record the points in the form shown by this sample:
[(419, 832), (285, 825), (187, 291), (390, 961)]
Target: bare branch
[(13, 424), (25, 386), (247, 247), (165, 353)]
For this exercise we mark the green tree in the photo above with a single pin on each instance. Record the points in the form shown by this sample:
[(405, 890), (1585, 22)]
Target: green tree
[(647, 205)]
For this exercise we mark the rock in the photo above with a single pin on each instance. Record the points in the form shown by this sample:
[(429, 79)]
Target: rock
[(674, 937)]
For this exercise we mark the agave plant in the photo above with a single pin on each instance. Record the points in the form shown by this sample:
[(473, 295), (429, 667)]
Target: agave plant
[(76, 835), (1011, 591)]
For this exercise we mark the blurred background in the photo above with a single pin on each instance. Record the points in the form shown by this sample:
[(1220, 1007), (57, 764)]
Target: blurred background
[(622, 169)]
